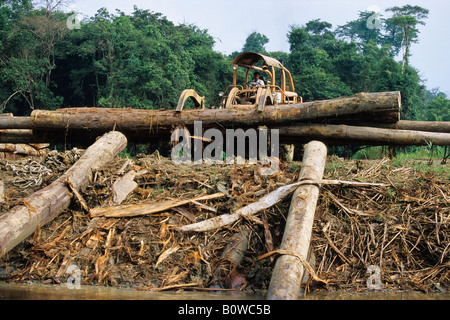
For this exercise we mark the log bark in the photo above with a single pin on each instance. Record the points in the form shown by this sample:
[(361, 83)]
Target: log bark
[(44, 205), (383, 106), (15, 122), (17, 136), (288, 271), (344, 134), (23, 149), (428, 126)]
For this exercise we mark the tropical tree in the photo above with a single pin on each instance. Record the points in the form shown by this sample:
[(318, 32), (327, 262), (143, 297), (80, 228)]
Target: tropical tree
[(406, 19), (28, 56), (311, 64), (255, 42)]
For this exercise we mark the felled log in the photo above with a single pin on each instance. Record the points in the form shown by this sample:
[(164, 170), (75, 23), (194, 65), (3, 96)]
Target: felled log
[(44, 205), (289, 268), (344, 134), (429, 126), (16, 136), (43, 136), (22, 149), (382, 106), (10, 122)]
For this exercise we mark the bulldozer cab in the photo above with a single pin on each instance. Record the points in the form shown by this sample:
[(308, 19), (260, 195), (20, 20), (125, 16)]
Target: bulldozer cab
[(270, 91)]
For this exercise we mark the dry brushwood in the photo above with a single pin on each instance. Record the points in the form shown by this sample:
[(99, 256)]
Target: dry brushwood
[(265, 202), (44, 205), (405, 229)]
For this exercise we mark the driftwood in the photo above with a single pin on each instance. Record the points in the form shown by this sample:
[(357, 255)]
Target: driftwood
[(44, 205), (265, 202), (133, 209), (344, 134), (289, 268)]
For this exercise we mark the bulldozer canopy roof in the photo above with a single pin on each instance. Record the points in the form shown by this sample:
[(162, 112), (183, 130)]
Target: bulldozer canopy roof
[(250, 58)]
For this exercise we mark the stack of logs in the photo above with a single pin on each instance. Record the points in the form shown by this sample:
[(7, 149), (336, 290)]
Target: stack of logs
[(365, 118), (362, 119), (15, 143)]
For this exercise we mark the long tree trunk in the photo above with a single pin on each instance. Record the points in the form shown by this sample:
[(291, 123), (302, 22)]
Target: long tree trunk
[(288, 271), (15, 122), (44, 205), (414, 133), (384, 106), (24, 149), (343, 134), (428, 126), (18, 136)]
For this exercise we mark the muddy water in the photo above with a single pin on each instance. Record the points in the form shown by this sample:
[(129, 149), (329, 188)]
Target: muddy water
[(62, 292)]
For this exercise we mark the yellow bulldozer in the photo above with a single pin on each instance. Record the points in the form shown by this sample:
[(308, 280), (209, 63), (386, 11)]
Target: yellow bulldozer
[(252, 92)]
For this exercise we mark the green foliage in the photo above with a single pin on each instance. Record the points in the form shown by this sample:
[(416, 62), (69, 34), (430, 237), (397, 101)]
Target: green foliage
[(404, 24), (311, 62), (255, 42), (140, 60), (27, 55), (412, 152), (436, 106)]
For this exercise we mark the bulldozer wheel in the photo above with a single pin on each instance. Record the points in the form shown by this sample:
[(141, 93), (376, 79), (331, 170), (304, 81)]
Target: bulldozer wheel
[(232, 98), (263, 98)]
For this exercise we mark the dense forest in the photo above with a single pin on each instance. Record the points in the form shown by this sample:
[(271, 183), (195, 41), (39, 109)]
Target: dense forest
[(143, 60)]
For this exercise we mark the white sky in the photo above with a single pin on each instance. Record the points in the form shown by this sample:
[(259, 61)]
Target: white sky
[(231, 21)]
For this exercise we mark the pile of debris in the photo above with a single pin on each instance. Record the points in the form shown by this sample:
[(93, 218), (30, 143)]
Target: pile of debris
[(403, 229)]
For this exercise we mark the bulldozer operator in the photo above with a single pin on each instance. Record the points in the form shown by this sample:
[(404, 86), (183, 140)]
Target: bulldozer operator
[(257, 81)]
